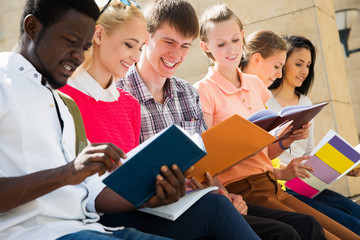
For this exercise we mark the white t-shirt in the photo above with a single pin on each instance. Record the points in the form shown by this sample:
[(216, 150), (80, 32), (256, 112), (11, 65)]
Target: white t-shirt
[(31, 141), (298, 148)]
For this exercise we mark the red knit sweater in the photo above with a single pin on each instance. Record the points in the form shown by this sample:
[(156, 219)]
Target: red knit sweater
[(117, 122)]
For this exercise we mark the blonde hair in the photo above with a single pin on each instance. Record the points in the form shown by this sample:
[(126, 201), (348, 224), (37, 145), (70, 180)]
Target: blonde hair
[(265, 42), (114, 16), (216, 14)]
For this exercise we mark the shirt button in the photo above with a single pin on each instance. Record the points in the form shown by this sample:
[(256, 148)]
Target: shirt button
[(249, 108), (63, 142), (36, 75), (21, 68), (51, 105), (243, 100)]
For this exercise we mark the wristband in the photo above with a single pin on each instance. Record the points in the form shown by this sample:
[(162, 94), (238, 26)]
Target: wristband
[(282, 146)]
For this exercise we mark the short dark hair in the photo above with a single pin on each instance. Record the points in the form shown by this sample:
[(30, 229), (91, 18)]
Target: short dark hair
[(295, 42), (177, 13), (49, 12)]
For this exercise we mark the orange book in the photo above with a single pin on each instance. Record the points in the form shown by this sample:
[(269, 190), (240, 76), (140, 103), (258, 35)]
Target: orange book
[(229, 142)]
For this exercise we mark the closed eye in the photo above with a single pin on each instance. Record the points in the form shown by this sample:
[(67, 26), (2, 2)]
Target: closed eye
[(70, 41), (128, 45)]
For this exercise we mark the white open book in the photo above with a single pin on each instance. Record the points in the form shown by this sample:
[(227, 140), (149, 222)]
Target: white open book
[(174, 210)]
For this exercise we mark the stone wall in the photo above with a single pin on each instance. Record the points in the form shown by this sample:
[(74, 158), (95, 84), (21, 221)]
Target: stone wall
[(10, 13), (352, 63)]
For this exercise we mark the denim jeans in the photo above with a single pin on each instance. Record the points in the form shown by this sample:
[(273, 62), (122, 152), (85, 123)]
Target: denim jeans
[(212, 217), (335, 206), (125, 234)]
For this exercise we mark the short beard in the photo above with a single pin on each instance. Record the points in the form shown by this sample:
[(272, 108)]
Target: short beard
[(47, 77)]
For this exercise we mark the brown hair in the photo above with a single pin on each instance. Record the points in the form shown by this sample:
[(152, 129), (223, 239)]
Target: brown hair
[(177, 13), (114, 16), (265, 42), (216, 14)]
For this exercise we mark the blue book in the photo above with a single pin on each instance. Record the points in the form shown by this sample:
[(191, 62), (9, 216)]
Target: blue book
[(135, 179)]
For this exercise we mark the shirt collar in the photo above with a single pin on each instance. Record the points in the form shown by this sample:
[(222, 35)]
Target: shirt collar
[(84, 82), (224, 84), (141, 91), (21, 66)]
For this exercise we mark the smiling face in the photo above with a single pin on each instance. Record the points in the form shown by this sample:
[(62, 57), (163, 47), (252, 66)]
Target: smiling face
[(297, 67), (270, 68), (225, 43), (59, 49), (165, 50), (117, 51)]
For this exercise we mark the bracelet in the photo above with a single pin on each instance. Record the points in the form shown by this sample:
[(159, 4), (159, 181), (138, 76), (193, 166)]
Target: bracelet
[(282, 146)]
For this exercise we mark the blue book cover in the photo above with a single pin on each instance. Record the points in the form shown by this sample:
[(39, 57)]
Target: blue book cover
[(135, 179)]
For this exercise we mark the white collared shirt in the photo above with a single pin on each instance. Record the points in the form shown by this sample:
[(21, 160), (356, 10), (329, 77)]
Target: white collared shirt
[(85, 83), (31, 141)]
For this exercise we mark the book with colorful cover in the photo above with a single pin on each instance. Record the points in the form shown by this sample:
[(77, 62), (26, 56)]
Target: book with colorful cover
[(331, 159)]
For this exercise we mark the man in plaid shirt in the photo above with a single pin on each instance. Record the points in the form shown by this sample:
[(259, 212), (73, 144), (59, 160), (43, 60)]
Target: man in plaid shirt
[(180, 105)]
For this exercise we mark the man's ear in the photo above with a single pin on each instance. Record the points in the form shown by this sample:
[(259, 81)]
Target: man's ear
[(204, 47), (32, 26), (98, 35)]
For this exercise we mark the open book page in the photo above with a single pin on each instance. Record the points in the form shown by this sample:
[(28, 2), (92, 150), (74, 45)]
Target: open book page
[(269, 119), (174, 210), (263, 114), (279, 130), (331, 159), (297, 108)]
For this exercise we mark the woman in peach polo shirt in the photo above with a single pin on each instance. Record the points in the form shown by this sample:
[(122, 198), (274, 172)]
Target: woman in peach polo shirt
[(226, 91)]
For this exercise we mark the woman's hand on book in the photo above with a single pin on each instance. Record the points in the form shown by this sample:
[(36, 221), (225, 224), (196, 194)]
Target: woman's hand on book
[(301, 133), (294, 169)]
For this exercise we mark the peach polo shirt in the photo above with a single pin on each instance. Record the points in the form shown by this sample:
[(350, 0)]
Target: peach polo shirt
[(221, 99)]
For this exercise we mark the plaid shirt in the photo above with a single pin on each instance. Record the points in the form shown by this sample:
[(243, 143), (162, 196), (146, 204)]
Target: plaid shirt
[(181, 105)]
